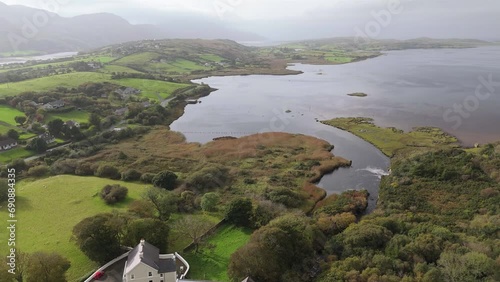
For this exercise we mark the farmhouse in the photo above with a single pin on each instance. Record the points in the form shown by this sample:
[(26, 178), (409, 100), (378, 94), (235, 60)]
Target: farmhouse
[(7, 144), (128, 91), (121, 111), (47, 137), (71, 124), (54, 105), (146, 264)]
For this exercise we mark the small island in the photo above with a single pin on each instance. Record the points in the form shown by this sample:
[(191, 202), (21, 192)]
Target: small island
[(357, 94)]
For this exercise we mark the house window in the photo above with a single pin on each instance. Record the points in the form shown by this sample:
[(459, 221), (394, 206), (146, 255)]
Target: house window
[(161, 274), (132, 276), (150, 274)]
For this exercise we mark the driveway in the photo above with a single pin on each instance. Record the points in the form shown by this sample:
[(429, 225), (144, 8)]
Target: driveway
[(114, 272)]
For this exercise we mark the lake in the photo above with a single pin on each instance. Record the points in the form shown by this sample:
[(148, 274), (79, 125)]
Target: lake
[(406, 89), (22, 60)]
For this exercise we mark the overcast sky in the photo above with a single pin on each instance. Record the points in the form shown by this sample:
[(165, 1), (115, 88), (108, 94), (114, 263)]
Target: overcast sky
[(302, 19)]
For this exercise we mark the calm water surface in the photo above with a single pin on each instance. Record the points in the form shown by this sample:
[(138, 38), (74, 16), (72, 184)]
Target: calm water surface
[(406, 89), (21, 60)]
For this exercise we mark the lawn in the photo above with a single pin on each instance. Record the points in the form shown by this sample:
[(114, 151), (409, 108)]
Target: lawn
[(7, 114), (4, 129), (213, 264), (152, 89), (69, 80), (49, 208), (17, 153), (75, 115)]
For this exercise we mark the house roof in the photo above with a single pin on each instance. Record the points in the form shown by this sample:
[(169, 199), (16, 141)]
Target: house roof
[(71, 123), (8, 141), (149, 255)]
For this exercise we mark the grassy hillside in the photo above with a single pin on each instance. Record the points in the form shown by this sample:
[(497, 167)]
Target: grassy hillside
[(78, 116), (153, 89), (69, 80), (7, 114), (49, 208)]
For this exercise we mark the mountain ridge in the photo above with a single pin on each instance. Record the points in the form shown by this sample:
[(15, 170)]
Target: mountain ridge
[(18, 31)]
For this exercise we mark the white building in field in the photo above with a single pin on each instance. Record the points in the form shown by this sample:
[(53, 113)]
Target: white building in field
[(146, 264)]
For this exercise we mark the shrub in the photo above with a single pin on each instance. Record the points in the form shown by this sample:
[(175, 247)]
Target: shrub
[(147, 177), (209, 201), (209, 177), (131, 175), (239, 212), (67, 166), (18, 164), (113, 194), (165, 179), (108, 171), (38, 171), (85, 169)]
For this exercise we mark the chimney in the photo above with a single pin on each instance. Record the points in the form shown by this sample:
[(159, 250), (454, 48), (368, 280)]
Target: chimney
[(141, 255), (142, 242)]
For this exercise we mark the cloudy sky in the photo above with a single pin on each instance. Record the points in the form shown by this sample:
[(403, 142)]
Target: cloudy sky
[(301, 19)]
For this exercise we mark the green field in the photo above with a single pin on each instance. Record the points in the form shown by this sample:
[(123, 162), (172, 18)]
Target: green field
[(211, 57), (137, 59), (17, 153), (145, 62), (118, 69), (7, 114), (392, 140), (4, 129), (213, 264), (69, 80), (78, 116), (49, 208), (152, 88)]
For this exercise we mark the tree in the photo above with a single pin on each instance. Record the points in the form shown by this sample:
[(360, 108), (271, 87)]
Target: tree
[(192, 227), (13, 134), (108, 171), (142, 208), (113, 194), (55, 127), (209, 201), (239, 212), (153, 231), (163, 201), (37, 145), (45, 267), (131, 175), (276, 252), (20, 119), (470, 267), (165, 179), (98, 238), (95, 120)]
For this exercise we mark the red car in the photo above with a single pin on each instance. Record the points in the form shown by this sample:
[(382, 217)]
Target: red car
[(98, 275)]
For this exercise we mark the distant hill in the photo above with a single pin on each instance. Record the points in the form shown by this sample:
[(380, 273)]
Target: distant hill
[(356, 44), (89, 31)]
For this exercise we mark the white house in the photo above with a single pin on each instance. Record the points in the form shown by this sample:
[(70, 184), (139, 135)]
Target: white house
[(7, 144), (54, 105), (71, 124), (47, 137), (146, 264)]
